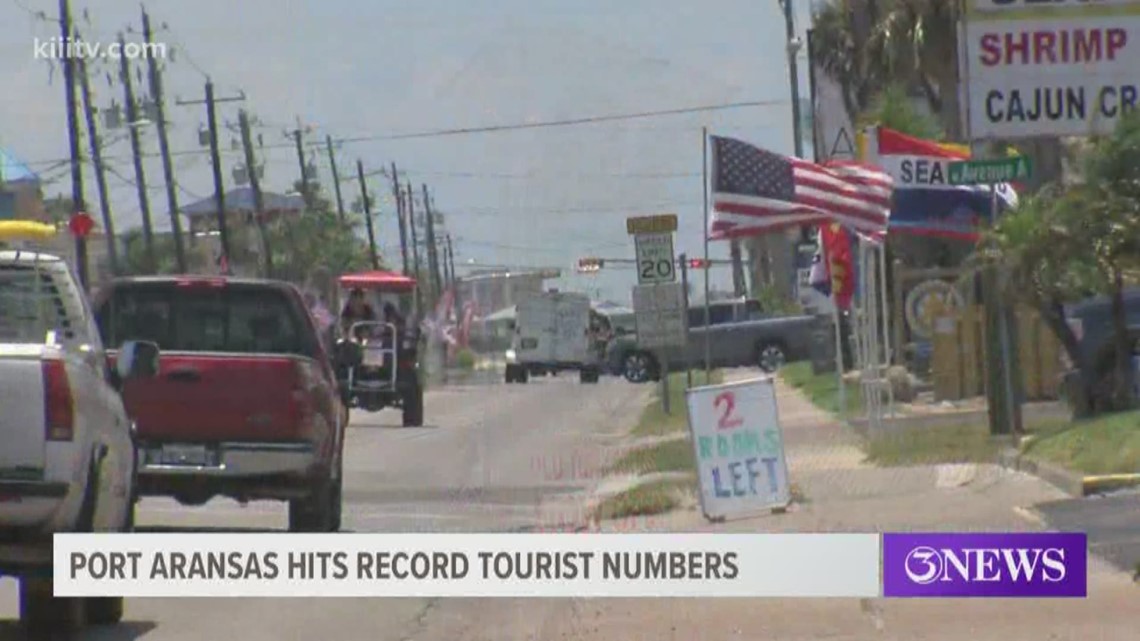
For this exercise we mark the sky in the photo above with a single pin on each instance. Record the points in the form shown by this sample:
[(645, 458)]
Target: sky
[(373, 68)]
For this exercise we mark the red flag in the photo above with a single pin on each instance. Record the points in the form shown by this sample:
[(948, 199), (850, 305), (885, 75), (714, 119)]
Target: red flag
[(841, 265)]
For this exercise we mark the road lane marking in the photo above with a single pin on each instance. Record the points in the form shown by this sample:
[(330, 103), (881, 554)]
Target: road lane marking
[(1031, 515)]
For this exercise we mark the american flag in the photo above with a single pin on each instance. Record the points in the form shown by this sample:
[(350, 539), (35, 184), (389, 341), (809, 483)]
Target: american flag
[(755, 191)]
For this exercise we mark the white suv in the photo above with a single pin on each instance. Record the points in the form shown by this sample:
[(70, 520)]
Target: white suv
[(67, 459)]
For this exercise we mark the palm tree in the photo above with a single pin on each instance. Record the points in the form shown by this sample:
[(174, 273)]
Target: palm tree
[(868, 46)]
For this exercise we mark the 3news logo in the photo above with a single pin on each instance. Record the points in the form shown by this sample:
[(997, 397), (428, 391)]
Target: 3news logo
[(985, 565)]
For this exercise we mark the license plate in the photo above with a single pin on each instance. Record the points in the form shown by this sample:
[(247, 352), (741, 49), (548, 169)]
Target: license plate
[(184, 455), (373, 358)]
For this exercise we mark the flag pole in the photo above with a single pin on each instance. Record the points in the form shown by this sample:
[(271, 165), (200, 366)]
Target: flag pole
[(708, 265)]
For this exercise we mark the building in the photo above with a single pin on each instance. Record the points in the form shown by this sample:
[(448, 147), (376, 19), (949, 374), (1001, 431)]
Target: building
[(20, 195), (492, 290)]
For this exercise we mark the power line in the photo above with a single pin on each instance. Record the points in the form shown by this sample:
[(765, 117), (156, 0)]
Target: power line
[(438, 133), (565, 122)]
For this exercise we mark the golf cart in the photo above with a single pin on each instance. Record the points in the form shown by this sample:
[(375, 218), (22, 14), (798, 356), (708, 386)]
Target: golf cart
[(377, 362)]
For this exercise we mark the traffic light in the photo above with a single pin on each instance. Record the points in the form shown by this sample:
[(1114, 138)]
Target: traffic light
[(698, 263), (586, 265)]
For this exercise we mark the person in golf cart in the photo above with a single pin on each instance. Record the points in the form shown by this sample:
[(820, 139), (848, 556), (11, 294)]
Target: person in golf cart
[(356, 310)]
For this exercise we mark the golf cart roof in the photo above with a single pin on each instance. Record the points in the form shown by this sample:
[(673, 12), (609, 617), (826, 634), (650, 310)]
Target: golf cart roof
[(379, 280)]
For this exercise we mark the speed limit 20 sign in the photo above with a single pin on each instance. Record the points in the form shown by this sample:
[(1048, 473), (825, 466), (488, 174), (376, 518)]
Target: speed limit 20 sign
[(655, 260)]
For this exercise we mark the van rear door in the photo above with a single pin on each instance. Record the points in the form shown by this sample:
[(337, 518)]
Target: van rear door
[(234, 356), (537, 323)]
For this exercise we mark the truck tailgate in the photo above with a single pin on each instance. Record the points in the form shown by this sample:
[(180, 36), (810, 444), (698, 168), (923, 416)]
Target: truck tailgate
[(22, 438), (208, 398)]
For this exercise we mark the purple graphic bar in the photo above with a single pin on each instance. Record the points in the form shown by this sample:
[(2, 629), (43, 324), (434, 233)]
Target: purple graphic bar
[(942, 564)]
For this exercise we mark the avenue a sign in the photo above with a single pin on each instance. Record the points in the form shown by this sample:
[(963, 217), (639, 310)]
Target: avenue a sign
[(990, 172), (1050, 68)]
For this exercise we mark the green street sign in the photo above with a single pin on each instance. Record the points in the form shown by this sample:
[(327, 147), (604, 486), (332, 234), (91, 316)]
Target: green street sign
[(990, 172)]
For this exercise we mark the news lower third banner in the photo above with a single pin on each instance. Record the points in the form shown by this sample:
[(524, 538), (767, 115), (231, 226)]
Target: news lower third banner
[(570, 565)]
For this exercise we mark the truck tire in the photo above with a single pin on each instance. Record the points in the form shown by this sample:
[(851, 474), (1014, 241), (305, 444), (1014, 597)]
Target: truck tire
[(105, 610), (770, 356), (413, 406), (638, 367), (523, 376), (588, 375), (510, 374), (41, 612), (321, 510)]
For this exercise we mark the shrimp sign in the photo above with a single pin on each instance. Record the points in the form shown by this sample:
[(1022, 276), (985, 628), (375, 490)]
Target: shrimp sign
[(739, 448)]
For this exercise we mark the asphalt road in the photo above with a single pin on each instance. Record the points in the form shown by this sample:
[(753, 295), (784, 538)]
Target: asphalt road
[(491, 457), (1112, 523)]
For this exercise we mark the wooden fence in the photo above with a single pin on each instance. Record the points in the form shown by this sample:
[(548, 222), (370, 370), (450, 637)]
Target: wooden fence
[(959, 361)]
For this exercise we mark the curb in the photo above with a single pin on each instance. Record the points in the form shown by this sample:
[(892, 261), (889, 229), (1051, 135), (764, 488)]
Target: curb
[(1072, 483)]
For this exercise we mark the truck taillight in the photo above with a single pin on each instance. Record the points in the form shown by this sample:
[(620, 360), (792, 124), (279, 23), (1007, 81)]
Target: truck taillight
[(302, 401), (59, 407)]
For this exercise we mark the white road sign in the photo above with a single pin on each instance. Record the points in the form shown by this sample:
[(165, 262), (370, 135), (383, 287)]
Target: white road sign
[(660, 315), (655, 260), (1063, 69), (739, 448)]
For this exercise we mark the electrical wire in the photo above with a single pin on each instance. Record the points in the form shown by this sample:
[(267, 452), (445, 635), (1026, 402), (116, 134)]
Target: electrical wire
[(437, 133)]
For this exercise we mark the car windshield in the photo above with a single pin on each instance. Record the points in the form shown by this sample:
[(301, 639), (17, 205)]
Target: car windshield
[(191, 319)]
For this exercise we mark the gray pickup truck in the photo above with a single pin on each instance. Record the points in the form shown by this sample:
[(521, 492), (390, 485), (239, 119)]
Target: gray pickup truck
[(740, 334)]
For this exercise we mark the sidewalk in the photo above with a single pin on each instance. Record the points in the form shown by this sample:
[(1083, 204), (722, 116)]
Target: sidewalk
[(843, 494)]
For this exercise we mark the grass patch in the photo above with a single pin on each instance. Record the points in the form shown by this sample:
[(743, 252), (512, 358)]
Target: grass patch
[(934, 445), (1102, 445), (667, 456), (647, 499), (655, 422), (822, 389)]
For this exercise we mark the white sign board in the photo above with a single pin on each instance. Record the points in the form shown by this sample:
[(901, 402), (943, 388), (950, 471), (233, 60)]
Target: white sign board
[(660, 315), (655, 260), (739, 448), (1065, 69)]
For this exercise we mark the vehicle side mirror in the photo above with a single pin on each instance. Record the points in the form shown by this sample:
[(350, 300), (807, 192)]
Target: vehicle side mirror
[(137, 359)]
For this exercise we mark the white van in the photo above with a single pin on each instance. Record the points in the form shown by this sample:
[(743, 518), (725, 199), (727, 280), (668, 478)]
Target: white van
[(553, 332)]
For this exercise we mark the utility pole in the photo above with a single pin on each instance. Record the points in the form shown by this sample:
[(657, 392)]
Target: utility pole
[(219, 188), (255, 185), (136, 150), (335, 177), (156, 94), (97, 161), (432, 248), (367, 214), (410, 201), (401, 213), (456, 300), (793, 48), (299, 142), (77, 204)]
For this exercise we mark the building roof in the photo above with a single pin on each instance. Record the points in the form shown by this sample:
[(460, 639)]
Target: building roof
[(241, 199), (12, 170)]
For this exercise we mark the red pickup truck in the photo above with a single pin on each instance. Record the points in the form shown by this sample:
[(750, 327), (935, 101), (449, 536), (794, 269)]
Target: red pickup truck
[(245, 404)]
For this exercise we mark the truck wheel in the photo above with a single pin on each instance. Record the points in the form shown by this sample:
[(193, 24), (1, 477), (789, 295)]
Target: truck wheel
[(770, 357), (509, 374), (413, 407), (321, 511), (587, 375), (637, 367), (523, 376), (42, 612), (105, 610)]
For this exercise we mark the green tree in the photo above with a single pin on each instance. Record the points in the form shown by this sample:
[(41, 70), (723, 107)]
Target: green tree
[(1067, 243), (317, 240)]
